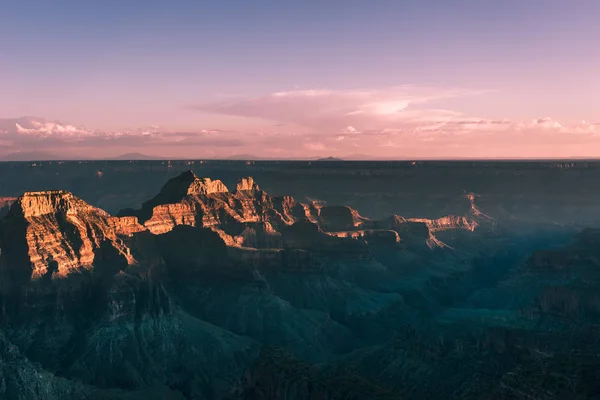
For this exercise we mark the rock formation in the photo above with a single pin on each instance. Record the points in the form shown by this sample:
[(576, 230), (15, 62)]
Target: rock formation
[(250, 217), (61, 229), (247, 184)]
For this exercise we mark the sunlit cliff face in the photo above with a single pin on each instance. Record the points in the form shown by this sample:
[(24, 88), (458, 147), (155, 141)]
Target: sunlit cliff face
[(63, 229)]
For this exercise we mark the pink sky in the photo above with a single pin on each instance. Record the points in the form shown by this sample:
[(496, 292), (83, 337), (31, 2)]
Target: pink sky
[(281, 79)]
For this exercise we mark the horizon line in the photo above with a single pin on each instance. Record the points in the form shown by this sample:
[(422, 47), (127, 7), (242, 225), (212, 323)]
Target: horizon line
[(319, 159)]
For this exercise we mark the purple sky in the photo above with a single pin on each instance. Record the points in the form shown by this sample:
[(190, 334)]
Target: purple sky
[(391, 79)]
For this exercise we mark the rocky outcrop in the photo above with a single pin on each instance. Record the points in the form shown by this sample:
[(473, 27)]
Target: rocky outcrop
[(247, 184), (176, 190), (475, 211), (289, 210), (447, 223), (62, 232), (202, 202), (165, 217), (205, 186), (126, 226), (5, 203), (404, 227), (250, 217)]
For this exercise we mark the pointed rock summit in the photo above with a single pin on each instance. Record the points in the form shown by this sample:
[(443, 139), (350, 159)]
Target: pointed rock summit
[(203, 186), (175, 191), (185, 184), (247, 184)]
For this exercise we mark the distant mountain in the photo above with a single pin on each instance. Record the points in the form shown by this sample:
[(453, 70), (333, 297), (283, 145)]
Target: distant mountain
[(136, 156), (330, 159), (30, 156)]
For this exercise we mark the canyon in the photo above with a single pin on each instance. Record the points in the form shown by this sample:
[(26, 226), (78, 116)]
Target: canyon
[(199, 292)]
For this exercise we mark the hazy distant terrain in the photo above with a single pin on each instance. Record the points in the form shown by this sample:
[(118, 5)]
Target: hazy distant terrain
[(561, 191)]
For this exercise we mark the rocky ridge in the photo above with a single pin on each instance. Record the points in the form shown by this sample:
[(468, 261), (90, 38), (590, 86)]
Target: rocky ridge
[(62, 232), (242, 216)]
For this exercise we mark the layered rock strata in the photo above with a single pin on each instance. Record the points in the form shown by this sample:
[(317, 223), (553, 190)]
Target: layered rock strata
[(62, 232)]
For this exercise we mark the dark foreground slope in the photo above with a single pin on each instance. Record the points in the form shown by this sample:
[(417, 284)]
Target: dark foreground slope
[(207, 293)]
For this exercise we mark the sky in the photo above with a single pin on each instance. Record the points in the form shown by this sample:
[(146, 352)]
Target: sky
[(391, 79)]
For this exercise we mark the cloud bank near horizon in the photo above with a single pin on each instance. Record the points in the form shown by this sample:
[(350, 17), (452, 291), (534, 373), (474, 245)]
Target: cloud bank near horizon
[(396, 122)]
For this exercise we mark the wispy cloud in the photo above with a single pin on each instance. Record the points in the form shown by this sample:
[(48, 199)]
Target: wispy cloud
[(396, 122), (400, 111), (342, 109), (27, 133), (46, 128)]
